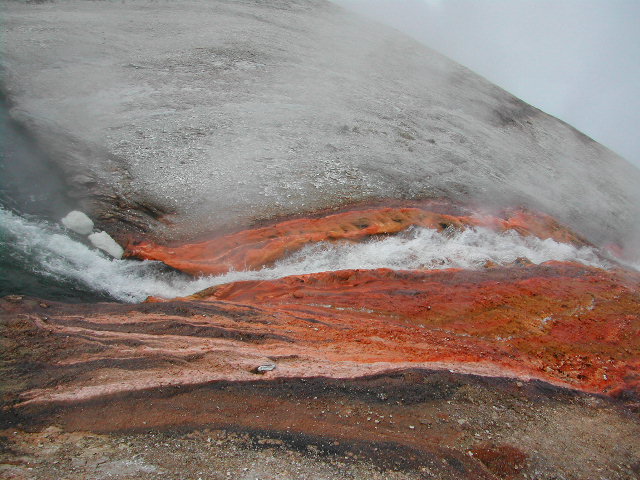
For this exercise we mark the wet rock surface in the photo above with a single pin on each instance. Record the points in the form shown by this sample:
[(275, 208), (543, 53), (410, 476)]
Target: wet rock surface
[(255, 248), (504, 371), (510, 321)]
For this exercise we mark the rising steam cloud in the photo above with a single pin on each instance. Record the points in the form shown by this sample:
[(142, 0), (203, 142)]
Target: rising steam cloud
[(574, 59)]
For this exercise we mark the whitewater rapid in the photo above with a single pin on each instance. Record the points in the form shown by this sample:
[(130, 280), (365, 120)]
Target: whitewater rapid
[(49, 252)]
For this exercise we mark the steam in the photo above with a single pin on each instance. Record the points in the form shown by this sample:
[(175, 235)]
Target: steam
[(571, 58), (51, 253), (241, 117)]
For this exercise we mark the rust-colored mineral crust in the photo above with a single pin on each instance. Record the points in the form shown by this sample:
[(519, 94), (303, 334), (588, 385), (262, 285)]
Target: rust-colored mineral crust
[(454, 372), (255, 248), (567, 324), (559, 321)]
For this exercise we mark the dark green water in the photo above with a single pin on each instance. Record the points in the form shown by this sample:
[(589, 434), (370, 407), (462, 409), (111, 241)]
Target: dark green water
[(22, 272), (38, 258), (31, 186), (42, 259)]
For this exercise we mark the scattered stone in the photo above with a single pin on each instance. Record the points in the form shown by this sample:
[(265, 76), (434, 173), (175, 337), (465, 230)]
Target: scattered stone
[(82, 179), (270, 441), (265, 368), (503, 460), (522, 262), (14, 298)]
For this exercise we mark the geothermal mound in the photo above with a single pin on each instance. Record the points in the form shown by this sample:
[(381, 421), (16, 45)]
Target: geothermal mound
[(346, 256), (222, 113)]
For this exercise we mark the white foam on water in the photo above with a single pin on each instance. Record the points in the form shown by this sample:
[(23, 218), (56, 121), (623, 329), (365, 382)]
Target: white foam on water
[(104, 242), (423, 248), (52, 253), (79, 222)]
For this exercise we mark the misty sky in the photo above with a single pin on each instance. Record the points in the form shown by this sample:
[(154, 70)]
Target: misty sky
[(578, 60)]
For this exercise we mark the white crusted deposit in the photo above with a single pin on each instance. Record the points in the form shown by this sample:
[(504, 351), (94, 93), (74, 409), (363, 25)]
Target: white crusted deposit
[(104, 242), (228, 111), (79, 222)]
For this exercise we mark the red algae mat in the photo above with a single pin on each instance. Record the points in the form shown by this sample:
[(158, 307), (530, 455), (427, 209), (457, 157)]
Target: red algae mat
[(255, 248), (458, 373), (565, 323)]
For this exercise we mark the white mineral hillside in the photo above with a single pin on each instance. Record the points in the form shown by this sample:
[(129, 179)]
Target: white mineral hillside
[(228, 111)]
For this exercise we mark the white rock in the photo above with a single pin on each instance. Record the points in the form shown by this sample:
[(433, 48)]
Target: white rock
[(78, 222), (103, 241)]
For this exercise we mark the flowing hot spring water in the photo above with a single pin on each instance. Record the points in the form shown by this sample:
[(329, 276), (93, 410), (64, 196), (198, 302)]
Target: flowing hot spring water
[(43, 259)]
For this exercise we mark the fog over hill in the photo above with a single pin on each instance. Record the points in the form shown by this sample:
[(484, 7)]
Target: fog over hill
[(574, 59), (227, 112)]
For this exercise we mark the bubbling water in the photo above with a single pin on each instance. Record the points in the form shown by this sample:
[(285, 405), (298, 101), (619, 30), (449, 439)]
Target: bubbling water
[(49, 255), (52, 256), (423, 248)]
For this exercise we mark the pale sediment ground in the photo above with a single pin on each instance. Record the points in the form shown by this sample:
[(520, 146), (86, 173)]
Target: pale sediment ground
[(545, 437), (227, 112), (210, 455)]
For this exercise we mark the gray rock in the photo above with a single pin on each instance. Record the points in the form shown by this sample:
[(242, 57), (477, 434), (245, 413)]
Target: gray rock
[(226, 112)]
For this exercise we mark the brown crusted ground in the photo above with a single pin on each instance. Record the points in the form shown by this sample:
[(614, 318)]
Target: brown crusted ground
[(407, 424), (462, 430), (370, 382), (566, 324)]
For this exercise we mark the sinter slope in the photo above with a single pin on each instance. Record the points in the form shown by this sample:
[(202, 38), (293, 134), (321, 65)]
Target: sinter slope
[(224, 112)]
